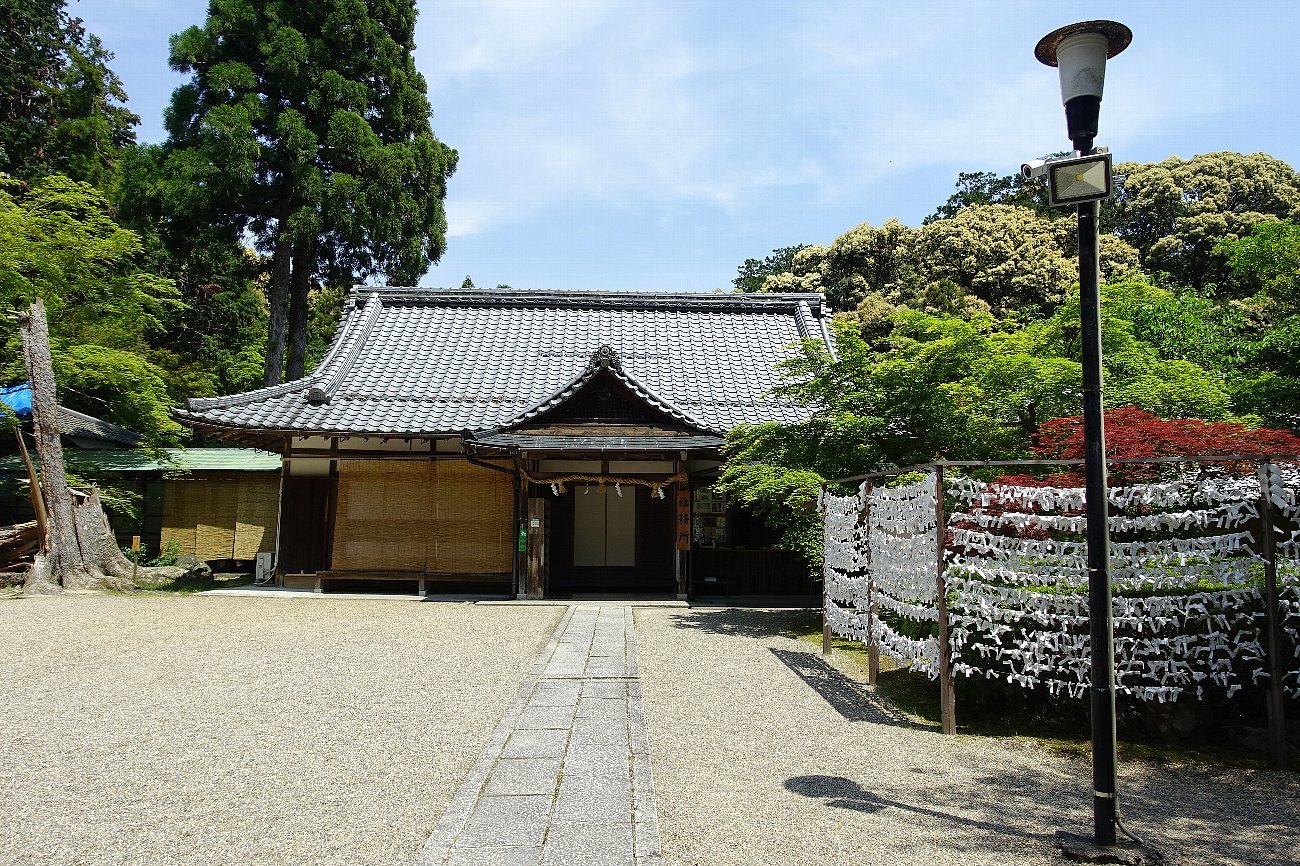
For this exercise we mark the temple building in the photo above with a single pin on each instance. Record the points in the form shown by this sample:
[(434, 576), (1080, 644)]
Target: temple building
[(534, 443)]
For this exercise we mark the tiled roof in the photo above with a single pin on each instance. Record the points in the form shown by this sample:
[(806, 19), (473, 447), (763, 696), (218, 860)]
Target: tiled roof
[(429, 361), (82, 426), (69, 421)]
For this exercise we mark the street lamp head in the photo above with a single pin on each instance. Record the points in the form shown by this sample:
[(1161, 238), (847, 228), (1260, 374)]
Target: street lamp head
[(1079, 51)]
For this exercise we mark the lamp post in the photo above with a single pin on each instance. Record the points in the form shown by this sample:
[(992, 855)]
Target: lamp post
[(1079, 51)]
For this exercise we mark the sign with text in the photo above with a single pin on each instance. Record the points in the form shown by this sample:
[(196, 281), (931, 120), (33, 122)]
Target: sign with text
[(683, 519)]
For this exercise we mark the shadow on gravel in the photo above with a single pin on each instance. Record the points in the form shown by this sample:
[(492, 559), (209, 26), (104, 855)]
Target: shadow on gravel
[(851, 699), (1191, 815), (843, 793), (739, 622)]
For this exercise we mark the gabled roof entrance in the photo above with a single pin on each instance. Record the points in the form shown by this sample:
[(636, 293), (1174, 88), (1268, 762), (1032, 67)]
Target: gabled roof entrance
[(601, 408), (605, 392), (604, 399)]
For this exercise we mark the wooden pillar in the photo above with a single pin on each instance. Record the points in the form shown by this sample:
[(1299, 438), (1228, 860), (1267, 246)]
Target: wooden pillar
[(1276, 700), (536, 587), (682, 534), (331, 503), (279, 509), (947, 698), (519, 543)]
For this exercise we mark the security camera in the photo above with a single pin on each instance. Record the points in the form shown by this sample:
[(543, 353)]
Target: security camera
[(1034, 168)]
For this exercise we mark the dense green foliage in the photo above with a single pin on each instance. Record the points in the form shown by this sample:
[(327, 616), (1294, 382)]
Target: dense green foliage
[(216, 342), (61, 108), (752, 273), (303, 129), (959, 339), (307, 125), (985, 187), (58, 242)]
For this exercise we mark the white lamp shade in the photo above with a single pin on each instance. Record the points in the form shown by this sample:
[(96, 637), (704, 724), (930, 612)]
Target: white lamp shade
[(1081, 61)]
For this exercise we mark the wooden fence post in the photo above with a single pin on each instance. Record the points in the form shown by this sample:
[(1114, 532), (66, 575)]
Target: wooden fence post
[(1277, 747), (873, 645), (947, 698), (826, 623)]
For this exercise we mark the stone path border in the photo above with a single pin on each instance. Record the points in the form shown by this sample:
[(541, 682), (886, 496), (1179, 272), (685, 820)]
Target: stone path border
[(565, 777)]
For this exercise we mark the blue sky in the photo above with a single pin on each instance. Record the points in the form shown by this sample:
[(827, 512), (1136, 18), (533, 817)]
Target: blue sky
[(655, 145)]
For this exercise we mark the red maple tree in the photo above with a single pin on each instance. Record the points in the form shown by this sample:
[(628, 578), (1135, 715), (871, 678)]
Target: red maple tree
[(1133, 432)]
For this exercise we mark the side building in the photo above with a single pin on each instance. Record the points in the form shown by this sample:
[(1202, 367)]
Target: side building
[(535, 443)]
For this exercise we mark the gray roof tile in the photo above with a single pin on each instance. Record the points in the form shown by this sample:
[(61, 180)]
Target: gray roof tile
[(80, 425), (430, 361)]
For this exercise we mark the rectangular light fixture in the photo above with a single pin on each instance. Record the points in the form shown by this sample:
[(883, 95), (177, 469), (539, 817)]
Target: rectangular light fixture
[(1079, 179)]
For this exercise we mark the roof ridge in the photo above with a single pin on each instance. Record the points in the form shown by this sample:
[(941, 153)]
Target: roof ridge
[(582, 297), (340, 337), (802, 318), (325, 384), (194, 403)]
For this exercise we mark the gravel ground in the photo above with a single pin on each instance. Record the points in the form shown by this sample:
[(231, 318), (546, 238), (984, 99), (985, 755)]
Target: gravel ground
[(231, 731), (763, 754)]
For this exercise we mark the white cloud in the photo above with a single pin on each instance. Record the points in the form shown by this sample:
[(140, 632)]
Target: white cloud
[(622, 108), (486, 37), (668, 107)]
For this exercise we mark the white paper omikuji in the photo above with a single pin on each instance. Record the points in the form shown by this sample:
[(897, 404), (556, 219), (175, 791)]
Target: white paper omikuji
[(1187, 610)]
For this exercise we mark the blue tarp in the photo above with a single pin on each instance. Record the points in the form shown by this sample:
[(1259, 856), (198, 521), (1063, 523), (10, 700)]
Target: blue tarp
[(18, 398)]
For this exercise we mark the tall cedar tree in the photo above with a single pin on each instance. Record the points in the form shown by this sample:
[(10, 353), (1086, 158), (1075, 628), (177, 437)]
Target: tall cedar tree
[(308, 125), (61, 108)]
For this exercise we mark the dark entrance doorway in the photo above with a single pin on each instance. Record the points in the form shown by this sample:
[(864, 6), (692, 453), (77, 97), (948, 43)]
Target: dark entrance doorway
[(606, 543)]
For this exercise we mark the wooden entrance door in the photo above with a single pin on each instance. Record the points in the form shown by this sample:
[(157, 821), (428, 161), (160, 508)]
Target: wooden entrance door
[(604, 528), (304, 524)]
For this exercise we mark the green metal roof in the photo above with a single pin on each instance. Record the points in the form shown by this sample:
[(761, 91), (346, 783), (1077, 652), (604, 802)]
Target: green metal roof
[(173, 460)]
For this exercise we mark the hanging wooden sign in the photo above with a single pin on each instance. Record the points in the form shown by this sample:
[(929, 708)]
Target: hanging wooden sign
[(683, 519)]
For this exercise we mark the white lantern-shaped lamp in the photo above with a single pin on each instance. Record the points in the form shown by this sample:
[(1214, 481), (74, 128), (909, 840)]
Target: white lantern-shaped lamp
[(1079, 52)]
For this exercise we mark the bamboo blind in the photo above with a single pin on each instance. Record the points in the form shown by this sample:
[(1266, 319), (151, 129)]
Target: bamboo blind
[(181, 502), (217, 509), (423, 516), (255, 521), (475, 519), (222, 518), (384, 517)]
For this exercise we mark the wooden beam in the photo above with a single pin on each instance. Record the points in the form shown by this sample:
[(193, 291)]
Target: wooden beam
[(278, 571), (519, 542), (873, 610)]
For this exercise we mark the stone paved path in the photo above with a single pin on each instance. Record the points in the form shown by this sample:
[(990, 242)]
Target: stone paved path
[(565, 778)]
